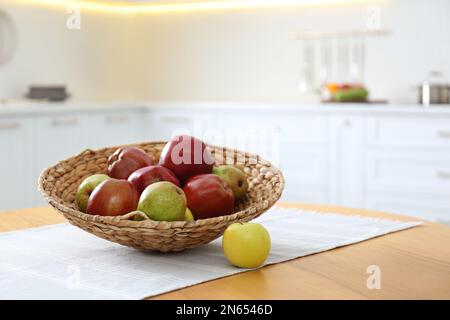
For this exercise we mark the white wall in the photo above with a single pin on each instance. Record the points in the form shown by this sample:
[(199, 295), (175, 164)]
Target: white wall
[(231, 56), (94, 62), (249, 55)]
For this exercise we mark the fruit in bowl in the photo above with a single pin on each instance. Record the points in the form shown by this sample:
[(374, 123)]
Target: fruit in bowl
[(345, 92), (235, 178), (124, 161), (186, 156), (86, 188), (266, 185), (209, 196), (113, 197), (144, 177), (188, 216), (163, 201), (133, 185)]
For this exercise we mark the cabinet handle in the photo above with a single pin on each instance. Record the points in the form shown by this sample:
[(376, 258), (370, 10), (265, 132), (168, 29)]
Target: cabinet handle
[(116, 119), (444, 134), (9, 126), (64, 122), (443, 175), (175, 119), (347, 123), (277, 129)]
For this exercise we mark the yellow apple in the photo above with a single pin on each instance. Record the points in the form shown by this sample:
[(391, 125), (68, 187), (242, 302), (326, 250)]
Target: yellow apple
[(246, 245), (188, 216)]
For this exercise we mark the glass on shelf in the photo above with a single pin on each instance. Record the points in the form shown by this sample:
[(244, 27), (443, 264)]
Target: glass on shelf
[(307, 78)]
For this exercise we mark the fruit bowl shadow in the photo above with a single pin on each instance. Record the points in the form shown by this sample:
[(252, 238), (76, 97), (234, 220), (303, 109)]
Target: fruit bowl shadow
[(59, 183)]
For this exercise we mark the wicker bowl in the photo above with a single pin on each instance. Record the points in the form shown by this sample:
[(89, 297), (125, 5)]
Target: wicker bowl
[(59, 184)]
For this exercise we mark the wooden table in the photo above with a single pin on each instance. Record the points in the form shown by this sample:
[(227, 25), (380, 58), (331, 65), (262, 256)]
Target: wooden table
[(414, 264)]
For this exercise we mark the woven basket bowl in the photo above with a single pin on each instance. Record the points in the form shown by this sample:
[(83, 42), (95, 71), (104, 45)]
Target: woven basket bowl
[(59, 184)]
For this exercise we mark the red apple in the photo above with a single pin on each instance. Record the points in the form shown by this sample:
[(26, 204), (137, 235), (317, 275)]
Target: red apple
[(345, 86), (186, 156), (144, 177), (113, 197), (208, 196), (124, 161)]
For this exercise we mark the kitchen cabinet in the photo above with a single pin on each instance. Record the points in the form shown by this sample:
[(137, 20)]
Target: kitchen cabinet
[(166, 123), (297, 143), (409, 131), (60, 136), (408, 170), (346, 161), (426, 207), (17, 185), (242, 130), (57, 137), (381, 158), (407, 165), (112, 128)]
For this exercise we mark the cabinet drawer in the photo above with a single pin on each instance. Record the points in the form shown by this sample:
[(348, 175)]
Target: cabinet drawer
[(408, 170), (295, 128), (305, 194), (432, 208), (115, 128), (17, 185), (56, 138), (302, 128), (409, 131), (305, 165), (166, 124)]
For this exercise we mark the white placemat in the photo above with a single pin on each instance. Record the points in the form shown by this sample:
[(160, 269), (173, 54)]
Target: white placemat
[(64, 262)]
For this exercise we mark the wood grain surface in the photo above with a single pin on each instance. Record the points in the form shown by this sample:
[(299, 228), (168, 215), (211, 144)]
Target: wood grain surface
[(414, 264)]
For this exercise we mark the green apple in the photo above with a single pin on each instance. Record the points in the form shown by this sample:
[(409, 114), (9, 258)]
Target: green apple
[(246, 245), (235, 178), (188, 216), (163, 201), (85, 189)]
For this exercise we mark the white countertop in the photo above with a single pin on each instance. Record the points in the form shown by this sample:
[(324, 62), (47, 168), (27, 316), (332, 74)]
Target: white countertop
[(25, 108), (30, 107), (300, 106)]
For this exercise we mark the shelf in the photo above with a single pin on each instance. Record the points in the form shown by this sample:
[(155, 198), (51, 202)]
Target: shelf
[(307, 35)]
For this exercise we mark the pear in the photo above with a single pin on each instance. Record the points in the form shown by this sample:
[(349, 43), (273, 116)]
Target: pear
[(235, 178), (163, 201), (188, 216)]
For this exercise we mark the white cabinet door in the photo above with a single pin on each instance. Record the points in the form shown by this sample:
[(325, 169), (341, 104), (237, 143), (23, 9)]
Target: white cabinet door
[(347, 157), (305, 165), (294, 192), (408, 169), (56, 138), (165, 124), (406, 130), (59, 137), (16, 163), (115, 128), (295, 142)]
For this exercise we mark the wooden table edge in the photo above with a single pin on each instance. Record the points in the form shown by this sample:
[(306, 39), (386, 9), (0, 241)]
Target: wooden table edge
[(36, 217)]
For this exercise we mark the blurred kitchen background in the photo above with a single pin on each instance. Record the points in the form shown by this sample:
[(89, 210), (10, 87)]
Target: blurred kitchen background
[(349, 98)]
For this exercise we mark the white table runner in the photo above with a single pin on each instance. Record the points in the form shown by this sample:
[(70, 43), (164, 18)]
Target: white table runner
[(64, 262)]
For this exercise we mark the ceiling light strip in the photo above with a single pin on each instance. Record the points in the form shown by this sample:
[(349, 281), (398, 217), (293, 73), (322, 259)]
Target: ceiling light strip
[(193, 6)]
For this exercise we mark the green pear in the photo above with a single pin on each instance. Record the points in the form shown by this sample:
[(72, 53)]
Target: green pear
[(85, 189), (163, 201), (235, 178), (188, 216)]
